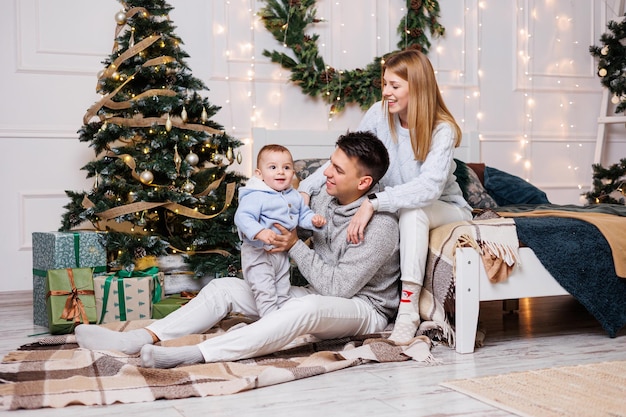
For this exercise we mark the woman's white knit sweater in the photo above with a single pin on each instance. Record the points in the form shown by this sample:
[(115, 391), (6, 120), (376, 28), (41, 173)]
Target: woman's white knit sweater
[(408, 183)]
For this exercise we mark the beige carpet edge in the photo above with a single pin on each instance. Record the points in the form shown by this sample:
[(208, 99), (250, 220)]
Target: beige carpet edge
[(512, 391), (487, 400)]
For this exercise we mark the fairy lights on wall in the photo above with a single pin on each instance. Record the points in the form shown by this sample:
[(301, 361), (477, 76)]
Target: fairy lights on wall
[(546, 86)]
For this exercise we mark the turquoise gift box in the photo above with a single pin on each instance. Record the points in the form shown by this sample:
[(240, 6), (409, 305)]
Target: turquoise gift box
[(56, 250)]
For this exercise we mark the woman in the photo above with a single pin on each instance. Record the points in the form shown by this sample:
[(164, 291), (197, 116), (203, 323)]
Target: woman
[(420, 134)]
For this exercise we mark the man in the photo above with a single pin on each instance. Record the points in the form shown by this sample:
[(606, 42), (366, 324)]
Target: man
[(353, 288)]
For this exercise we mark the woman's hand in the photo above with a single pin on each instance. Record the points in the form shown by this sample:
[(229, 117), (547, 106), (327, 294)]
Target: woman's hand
[(356, 228)]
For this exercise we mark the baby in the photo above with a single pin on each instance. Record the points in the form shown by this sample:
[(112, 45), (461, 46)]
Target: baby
[(268, 198)]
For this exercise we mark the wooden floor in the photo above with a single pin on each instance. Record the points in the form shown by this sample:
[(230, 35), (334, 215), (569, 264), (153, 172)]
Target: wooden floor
[(545, 332)]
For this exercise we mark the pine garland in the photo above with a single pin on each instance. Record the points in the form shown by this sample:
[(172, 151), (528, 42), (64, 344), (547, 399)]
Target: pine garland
[(287, 21), (612, 62)]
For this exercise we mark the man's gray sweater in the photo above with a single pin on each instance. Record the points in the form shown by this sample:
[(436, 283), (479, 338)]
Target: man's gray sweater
[(369, 270)]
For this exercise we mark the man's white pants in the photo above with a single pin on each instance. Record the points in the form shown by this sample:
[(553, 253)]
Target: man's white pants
[(415, 225), (305, 313)]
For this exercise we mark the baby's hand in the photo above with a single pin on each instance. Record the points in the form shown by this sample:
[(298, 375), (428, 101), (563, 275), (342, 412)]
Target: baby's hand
[(266, 236), (318, 221)]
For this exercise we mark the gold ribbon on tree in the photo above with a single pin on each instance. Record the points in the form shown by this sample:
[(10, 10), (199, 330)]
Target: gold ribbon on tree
[(140, 121), (173, 207), (130, 162)]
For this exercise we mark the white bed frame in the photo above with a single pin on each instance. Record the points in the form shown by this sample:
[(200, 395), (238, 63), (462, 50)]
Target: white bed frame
[(528, 279)]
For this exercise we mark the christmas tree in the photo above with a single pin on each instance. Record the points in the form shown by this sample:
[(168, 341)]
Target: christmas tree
[(161, 183), (609, 184)]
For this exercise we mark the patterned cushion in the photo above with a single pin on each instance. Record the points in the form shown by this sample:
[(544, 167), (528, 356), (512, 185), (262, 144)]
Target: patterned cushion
[(471, 186), (305, 167), (477, 196)]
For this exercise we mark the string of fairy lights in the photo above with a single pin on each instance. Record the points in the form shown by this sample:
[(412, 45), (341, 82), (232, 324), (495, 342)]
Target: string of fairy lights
[(267, 110)]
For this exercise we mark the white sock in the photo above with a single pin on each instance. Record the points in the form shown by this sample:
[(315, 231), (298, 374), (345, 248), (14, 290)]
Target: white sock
[(169, 357), (94, 337), (408, 319)]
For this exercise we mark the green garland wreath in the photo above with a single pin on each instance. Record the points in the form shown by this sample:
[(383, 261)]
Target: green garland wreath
[(612, 62), (287, 20)]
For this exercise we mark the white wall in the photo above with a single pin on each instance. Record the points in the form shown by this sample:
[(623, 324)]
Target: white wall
[(517, 72)]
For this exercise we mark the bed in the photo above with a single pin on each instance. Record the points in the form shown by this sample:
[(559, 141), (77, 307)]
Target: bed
[(467, 281)]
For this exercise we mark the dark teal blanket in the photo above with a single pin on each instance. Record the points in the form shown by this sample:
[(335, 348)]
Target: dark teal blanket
[(578, 256)]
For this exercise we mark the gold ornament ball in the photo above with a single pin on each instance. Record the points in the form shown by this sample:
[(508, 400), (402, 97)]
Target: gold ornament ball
[(120, 17), (602, 72), (615, 100), (605, 50), (146, 177), (192, 159)]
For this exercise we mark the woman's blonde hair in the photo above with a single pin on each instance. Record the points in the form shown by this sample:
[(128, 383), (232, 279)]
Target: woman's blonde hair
[(426, 108)]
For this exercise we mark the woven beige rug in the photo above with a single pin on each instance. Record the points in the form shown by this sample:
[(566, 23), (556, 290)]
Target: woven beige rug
[(597, 389)]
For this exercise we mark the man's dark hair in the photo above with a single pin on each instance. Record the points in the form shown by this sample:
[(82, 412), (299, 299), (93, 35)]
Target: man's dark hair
[(370, 152)]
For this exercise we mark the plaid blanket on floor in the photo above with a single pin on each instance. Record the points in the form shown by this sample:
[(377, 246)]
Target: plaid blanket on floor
[(54, 372), (496, 241)]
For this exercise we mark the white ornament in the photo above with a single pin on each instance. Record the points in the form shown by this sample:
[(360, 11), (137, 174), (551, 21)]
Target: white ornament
[(120, 17), (615, 99), (602, 72), (188, 187), (605, 50), (146, 177), (192, 159)]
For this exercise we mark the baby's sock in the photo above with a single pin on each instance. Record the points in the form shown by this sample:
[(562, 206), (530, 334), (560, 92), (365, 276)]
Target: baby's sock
[(95, 337), (169, 357), (408, 319)]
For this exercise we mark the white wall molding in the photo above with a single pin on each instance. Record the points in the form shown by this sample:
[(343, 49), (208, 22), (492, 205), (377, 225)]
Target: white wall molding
[(34, 211), (47, 44), (45, 132)]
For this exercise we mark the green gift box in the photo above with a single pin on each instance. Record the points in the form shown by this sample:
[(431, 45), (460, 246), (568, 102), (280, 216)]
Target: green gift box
[(171, 303), (56, 250), (70, 299), (123, 295)]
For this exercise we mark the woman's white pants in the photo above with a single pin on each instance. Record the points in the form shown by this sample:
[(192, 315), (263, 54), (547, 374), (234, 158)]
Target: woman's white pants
[(305, 313), (415, 225)]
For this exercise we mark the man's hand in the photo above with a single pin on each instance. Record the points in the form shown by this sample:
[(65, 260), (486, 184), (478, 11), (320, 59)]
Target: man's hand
[(356, 228), (285, 240)]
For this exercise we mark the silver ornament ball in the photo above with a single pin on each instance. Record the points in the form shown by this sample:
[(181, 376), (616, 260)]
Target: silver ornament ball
[(120, 17), (188, 187), (192, 159), (146, 177)]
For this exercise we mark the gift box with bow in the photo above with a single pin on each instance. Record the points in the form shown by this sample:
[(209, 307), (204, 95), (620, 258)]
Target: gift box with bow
[(124, 295), (56, 250), (70, 299)]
